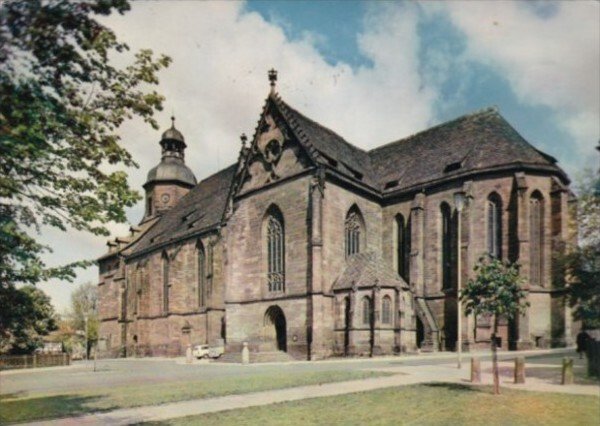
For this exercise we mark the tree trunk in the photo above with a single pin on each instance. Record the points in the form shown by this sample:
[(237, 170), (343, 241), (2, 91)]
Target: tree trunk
[(495, 357)]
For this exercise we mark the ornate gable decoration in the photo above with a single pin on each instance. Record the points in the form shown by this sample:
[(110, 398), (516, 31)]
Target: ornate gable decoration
[(274, 153)]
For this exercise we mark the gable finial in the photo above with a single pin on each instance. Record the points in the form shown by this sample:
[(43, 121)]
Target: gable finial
[(272, 79)]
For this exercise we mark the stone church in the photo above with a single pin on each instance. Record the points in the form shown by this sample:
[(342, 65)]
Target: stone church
[(312, 246)]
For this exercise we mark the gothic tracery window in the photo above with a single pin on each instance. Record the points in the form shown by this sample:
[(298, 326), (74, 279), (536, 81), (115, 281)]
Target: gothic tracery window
[(403, 247), (536, 237), (201, 263), (165, 273), (275, 251), (448, 245), (366, 310), (353, 228), (386, 310), (494, 225)]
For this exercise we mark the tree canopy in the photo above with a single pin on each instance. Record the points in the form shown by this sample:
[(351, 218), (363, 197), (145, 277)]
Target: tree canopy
[(62, 101), (582, 262), (26, 316), (496, 289)]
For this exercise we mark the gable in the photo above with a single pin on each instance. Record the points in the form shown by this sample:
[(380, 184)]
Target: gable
[(275, 153)]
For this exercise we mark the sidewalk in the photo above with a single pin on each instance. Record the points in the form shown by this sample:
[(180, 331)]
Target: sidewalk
[(403, 375)]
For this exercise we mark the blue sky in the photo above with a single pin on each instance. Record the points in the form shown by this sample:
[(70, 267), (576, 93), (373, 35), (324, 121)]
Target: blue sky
[(372, 71), (468, 87)]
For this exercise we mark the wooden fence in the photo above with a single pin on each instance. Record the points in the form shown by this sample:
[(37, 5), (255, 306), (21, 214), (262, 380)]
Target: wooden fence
[(11, 362)]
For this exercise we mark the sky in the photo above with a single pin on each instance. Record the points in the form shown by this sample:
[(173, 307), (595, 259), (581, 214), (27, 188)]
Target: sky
[(374, 72)]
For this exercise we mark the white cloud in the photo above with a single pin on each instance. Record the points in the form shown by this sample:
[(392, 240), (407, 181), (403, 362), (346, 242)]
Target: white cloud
[(548, 54), (217, 84), (221, 52)]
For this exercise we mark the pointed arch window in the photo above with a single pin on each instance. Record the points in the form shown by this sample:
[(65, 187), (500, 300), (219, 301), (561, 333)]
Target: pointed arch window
[(201, 265), (494, 225), (402, 239), (386, 310), (275, 250), (366, 310), (448, 245), (165, 277), (536, 237), (353, 227)]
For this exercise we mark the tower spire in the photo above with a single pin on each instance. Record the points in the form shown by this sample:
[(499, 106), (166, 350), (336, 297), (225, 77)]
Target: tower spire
[(272, 79)]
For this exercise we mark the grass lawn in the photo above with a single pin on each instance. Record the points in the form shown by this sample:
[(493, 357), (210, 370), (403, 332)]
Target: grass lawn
[(36, 406), (431, 404)]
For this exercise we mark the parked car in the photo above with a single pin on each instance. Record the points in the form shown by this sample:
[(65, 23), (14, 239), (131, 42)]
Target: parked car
[(216, 351), (201, 351)]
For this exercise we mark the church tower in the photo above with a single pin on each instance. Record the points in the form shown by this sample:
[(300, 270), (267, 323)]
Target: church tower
[(171, 179)]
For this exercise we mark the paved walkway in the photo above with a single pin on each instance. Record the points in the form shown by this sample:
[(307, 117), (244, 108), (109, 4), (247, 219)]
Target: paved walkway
[(403, 375)]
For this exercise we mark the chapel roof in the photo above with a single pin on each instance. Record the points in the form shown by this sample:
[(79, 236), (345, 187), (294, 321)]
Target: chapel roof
[(366, 270)]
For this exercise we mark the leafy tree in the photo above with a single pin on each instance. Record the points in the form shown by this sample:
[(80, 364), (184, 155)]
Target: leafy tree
[(84, 303), (26, 316), (495, 291), (62, 101), (582, 261)]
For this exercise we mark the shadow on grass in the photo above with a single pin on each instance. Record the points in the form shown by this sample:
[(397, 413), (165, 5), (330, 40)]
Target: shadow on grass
[(48, 407), (13, 395), (453, 386)]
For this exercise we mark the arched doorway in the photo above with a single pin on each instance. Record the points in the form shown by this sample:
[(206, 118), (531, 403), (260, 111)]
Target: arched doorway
[(276, 328), (420, 333)]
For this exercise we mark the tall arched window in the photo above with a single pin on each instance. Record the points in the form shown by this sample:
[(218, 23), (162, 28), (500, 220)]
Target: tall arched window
[(165, 270), (353, 227), (366, 310), (536, 237), (403, 247), (448, 232), (386, 310), (138, 288), (494, 225), (201, 263), (275, 250)]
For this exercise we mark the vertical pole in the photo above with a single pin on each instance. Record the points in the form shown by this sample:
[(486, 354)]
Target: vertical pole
[(458, 285), (87, 355)]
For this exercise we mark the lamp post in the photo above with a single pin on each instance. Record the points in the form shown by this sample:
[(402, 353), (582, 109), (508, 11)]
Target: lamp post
[(459, 203)]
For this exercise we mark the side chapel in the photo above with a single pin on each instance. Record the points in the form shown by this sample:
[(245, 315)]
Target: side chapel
[(311, 247)]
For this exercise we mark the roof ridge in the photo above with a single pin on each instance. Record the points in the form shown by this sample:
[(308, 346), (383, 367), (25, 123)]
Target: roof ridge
[(327, 129), (480, 112)]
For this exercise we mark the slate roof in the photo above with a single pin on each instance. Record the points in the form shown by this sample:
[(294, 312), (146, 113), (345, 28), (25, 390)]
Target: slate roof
[(364, 270), (482, 140), (200, 209), (349, 158)]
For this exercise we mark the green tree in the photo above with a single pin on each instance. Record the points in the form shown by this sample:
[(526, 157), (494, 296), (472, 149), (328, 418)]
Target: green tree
[(582, 261), (83, 313), (62, 101), (495, 291), (26, 316)]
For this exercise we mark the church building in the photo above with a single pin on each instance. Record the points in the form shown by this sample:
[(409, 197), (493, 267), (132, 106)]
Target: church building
[(311, 247)]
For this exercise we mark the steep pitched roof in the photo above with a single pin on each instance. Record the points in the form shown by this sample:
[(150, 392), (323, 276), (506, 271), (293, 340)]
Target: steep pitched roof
[(200, 209), (335, 151), (365, 270), (478, 141)]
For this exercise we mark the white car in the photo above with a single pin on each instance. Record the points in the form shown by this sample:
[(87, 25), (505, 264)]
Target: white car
[(200, 351)]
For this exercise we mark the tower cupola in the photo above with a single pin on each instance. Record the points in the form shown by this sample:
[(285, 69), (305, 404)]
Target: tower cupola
[(171, 179)]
